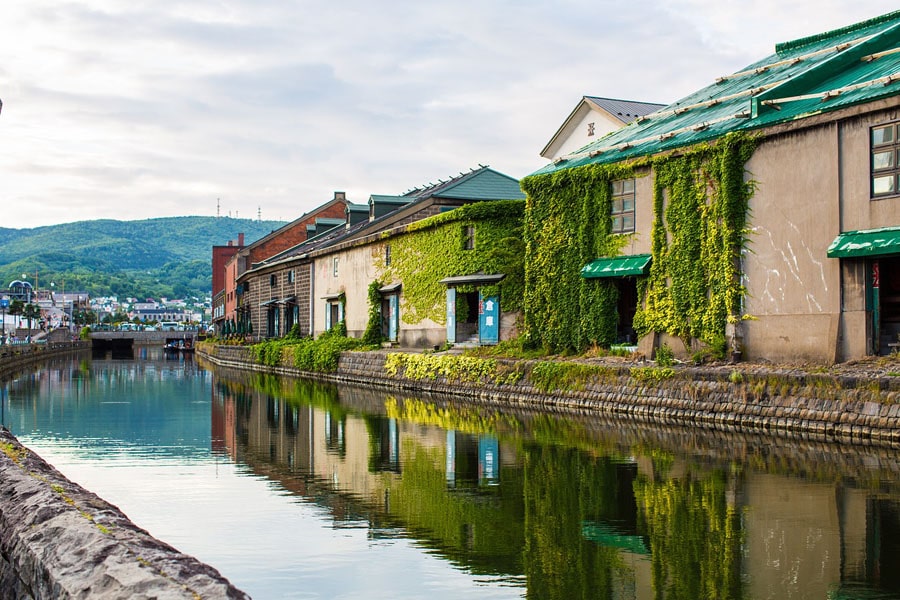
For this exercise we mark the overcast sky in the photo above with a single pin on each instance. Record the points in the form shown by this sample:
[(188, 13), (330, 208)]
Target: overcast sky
[(133, 109)]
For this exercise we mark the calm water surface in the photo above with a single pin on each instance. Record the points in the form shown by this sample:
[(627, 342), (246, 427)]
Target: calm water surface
[(300, 490)]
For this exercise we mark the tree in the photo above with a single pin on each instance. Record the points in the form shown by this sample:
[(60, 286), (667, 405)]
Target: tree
[(31, 312)]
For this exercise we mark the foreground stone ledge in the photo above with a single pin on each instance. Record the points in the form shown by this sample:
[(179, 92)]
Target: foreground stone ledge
[(57, 540)]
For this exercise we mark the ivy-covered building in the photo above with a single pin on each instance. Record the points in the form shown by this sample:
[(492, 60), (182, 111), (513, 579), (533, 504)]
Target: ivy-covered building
[(432, 270), (442, 262), (760, 214)]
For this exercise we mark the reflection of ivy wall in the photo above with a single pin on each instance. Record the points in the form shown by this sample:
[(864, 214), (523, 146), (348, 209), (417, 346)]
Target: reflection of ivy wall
[(700, 210), (434, 248), (481, 530), (695, 537), (565, 488)]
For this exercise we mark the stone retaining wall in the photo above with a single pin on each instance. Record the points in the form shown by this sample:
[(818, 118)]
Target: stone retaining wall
[(813, 406), (57, 540), (14, 358)]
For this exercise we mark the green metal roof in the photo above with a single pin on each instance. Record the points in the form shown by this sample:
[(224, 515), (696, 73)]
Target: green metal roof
[(619, 266), (853, 65), (483, 184), (861, 244)]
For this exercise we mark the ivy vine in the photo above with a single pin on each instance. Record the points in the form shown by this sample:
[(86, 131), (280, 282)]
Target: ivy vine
[(434, 248), (700, 205)]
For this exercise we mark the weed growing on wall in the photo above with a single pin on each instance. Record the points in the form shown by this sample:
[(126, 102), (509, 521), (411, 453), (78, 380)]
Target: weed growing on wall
[(700, 201), (372, 336)]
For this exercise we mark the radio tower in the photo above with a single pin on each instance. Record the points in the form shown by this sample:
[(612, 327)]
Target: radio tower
[(218, 207), (259, 213)]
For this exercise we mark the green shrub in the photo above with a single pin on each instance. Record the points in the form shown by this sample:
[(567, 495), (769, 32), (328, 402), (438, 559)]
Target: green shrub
[(664, 356), (549, 376), (652, 375)]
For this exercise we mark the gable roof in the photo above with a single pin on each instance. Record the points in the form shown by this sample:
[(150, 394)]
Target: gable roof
[(805, 77), (625, 111), (617, 112), (481, 184)]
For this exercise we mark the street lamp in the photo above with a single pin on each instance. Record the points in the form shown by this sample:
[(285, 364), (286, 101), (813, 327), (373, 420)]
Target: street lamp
[(4, 304)]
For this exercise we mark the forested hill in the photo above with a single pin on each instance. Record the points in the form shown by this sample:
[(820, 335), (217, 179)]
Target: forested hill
[(167, 257)]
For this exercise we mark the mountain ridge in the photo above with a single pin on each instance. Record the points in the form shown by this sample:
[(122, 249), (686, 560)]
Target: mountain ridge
[(148, 258)]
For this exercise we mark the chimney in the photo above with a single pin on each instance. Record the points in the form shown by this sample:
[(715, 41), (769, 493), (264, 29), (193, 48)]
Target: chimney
[(240, 239), (230, 242), (340, 196)]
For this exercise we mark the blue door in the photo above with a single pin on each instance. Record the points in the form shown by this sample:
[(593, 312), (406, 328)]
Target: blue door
[(488, 319), (451, 315), (394, 317)]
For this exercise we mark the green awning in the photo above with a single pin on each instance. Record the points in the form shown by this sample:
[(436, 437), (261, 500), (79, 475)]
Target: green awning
[(619, 266), (861, 244)]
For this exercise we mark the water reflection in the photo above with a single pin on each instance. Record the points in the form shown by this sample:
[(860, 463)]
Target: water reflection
[(575, 507), (296, 488)]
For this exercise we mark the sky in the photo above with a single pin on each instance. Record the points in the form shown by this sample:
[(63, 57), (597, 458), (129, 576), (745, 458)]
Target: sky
[(132, 109)]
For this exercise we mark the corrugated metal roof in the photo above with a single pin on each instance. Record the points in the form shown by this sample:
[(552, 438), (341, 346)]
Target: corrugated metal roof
[(617, 266), (625, 110), (482, 183), (856, 64), (866, 243)]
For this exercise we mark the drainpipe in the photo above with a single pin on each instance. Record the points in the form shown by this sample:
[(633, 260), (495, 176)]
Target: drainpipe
[(838, 354), (312, 298)]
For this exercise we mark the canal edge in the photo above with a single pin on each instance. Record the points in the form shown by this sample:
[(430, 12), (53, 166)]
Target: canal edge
[(818, 407)]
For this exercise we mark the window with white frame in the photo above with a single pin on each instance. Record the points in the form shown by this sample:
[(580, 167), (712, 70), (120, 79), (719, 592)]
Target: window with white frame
[(622, 206), (885, 163)]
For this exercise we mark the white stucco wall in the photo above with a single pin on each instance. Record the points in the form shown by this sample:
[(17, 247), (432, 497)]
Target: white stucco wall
[(575, 136)]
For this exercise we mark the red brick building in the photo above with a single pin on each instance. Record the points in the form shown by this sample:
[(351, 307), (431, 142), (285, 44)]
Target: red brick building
[(292, 234)]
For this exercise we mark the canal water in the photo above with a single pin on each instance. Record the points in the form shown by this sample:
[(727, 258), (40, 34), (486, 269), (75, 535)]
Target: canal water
[(294, 489)]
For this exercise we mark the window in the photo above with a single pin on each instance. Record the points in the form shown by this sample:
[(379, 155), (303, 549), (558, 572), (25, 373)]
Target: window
[(885, 164), (335, 265), (387, 255), (622, 210), (469, 237), (273, 279), (590, 129), (290, 276)]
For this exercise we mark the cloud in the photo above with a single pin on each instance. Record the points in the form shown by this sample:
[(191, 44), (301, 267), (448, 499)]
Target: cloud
[(133, 109)]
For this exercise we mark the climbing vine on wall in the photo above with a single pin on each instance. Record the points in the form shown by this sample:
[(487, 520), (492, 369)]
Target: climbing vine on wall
[(700, 200), (562, 234), (434, 248)]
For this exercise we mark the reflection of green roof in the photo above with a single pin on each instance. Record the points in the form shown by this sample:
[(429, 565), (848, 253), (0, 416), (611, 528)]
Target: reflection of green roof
[(607, 535), (871, 242), (859, 63)]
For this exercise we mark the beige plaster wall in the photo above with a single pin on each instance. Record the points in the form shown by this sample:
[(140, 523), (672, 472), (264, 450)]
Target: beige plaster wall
[(356, 270), (812, 185), (859, 211), (793, 289)]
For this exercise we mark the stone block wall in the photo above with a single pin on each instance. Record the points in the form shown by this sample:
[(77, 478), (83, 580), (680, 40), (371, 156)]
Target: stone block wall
[(57, 540)]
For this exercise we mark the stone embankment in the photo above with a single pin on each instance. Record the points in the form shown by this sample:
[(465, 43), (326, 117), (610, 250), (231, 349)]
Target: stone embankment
[(844, 404), (57, 540), (14, 358)]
